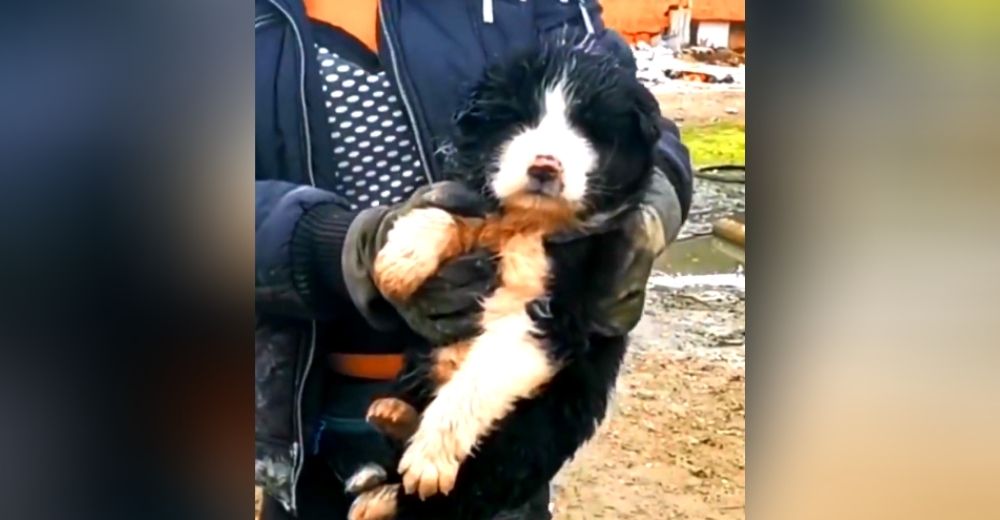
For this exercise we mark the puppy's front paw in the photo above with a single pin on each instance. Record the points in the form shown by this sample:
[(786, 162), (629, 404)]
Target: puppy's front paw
[(380, 503), (395, 418), (413, 251), (428, 467)]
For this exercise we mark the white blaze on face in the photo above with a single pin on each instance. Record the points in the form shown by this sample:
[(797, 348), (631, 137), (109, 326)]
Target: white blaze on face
[(555, 136)]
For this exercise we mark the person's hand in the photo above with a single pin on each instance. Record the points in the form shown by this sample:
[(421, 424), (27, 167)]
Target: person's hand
[(627, 263), (625, 246), (446, 306)]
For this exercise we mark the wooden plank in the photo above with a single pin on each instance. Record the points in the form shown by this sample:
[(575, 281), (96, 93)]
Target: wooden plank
[(731, 230)]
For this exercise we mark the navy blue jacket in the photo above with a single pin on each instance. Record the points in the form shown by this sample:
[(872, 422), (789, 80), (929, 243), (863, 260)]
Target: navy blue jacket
[(422, 41)]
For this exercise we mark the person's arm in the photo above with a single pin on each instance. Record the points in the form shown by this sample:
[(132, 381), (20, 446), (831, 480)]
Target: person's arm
[(314, 257), (446, 306), (299, 236)]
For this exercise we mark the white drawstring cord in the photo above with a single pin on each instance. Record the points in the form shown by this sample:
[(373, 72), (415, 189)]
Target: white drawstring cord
[(586, 17), (488, 11)]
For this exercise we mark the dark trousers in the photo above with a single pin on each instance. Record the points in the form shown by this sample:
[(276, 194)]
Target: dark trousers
[(344, 442), (321, 497)]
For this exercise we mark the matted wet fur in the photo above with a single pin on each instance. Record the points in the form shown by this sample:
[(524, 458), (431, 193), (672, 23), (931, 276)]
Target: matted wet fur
[(558, 139)]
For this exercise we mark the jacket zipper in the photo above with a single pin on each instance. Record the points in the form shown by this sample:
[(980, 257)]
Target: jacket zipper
[(387, 38), (298, 449), (587, 21), (302, 90)]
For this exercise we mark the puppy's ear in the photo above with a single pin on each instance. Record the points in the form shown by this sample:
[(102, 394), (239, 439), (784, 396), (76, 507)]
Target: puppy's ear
[(467, 112), (647, 113), (469, 121)]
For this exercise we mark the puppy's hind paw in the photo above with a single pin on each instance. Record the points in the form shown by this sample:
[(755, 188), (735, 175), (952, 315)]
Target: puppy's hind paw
[(395, 418), (380, 503), (368, 477)]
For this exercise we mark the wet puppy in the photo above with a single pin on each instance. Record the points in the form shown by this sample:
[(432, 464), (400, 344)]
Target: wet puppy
[(559, 139)]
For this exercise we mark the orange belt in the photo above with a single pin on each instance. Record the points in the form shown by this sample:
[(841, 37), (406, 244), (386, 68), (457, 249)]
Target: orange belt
[(367, 366)]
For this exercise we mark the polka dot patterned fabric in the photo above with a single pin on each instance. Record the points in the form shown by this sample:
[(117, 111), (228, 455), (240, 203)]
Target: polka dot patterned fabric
[(374, 148)]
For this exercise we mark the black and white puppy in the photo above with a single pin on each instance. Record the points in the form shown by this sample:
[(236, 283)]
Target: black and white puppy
[(561, 140)]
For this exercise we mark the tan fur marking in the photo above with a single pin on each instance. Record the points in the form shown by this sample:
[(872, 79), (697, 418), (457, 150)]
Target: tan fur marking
[(378, 504), (468, 231), (447, 360), (395, 418), (525, 214)]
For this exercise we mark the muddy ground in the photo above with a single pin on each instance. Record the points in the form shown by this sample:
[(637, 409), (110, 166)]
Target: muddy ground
[(673, 444), (699, 106)]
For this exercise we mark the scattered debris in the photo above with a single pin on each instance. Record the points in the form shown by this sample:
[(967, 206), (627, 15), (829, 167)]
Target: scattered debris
[(666, 281), (692, 68), (712, 200), (714, 56)]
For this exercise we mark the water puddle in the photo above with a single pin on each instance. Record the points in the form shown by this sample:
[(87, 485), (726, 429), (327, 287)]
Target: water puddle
[(703, 255)]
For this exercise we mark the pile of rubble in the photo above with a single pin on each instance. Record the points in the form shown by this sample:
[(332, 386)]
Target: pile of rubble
[(691, 68)]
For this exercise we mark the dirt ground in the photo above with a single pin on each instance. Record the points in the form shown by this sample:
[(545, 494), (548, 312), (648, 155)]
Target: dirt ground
[(699, 107), (673, 446)]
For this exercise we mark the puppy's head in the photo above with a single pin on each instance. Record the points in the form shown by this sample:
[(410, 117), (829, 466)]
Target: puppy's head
[(559, 129)]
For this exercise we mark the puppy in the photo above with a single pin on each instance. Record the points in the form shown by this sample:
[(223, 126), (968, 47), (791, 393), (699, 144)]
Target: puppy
[(558, 140)]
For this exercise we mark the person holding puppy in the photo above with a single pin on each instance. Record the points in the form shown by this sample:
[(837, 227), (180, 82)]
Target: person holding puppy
[(353, 106)]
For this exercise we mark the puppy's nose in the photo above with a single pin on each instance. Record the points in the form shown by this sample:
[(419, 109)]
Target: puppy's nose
[(545, 168)]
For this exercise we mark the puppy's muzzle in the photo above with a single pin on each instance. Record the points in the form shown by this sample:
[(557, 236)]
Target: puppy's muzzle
[(545, 176)]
